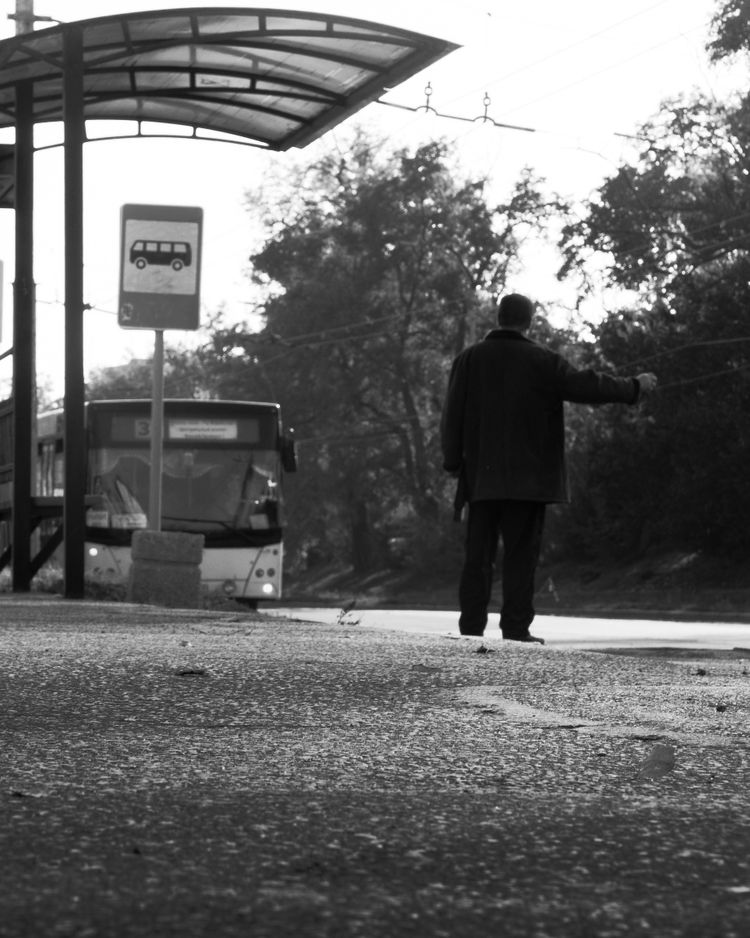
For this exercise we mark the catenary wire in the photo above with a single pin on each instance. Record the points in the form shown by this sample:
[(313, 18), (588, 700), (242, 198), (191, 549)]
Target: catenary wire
[(561, 51)]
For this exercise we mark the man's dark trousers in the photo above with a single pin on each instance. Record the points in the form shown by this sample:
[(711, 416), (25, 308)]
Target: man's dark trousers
[(520, 525)]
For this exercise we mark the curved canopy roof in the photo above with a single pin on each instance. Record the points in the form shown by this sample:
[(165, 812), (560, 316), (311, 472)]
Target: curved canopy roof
[(271, 77)]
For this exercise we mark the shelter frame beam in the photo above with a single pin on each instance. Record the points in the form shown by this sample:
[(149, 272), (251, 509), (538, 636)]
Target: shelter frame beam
[(24, 331)]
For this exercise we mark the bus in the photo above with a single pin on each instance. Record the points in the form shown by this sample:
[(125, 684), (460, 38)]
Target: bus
[(222, 477)]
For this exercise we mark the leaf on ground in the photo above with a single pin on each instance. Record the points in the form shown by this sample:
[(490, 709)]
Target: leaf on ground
[(658, 763)]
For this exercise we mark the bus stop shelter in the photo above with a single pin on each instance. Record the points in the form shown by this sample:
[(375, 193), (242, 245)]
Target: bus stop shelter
[(269, 78)]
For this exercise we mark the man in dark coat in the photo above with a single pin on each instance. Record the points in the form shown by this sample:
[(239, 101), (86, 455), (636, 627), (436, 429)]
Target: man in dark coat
[(503, 437)]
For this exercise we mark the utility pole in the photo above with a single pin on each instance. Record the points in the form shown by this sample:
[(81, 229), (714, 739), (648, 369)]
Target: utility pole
[(24, 16)]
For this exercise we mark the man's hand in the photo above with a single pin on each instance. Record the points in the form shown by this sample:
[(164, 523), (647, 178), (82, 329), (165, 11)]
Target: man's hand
[(647, 382)]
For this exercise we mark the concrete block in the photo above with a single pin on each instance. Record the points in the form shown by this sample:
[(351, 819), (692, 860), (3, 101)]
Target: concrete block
[(167, 546), (166, 569)]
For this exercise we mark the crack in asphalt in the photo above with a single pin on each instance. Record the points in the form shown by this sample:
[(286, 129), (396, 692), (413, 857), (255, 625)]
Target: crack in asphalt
[(490, 702)]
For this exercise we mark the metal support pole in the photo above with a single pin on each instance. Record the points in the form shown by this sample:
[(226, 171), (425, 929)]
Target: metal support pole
[(24, 16), (23, 339), (75, 439), (157, 432)]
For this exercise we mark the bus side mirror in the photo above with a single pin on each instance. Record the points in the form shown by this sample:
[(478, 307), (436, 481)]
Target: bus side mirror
[(288, 454)]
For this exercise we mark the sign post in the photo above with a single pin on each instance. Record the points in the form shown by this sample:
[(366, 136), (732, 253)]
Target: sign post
[(159, 289), (157, 432)]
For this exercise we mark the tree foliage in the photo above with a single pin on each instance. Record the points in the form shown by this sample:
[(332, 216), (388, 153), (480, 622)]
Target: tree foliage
[(681, 208), (183, 377), (676, 225), (731, 29)]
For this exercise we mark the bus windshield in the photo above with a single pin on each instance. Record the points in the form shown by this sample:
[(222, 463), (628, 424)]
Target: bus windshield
[(205, 489)]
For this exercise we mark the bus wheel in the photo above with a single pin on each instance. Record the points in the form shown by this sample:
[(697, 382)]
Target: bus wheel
[(176, 265), (140, 263)]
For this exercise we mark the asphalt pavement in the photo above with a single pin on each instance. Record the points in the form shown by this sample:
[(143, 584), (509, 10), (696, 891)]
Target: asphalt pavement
[(199, 773)]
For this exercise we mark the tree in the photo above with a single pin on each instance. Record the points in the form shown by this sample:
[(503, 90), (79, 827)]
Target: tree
[(183, 377), (380, 267), (683, 206), (676, 225), (731, 29)]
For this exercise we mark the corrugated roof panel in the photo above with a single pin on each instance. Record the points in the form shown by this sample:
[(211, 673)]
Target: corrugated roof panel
[(212, 79), (365, 52), (146, 82), (216, 24), (109, 81), (40, 44), (280, 63), (296, 22), (369, 29), (150, 29), (101, 35), (228, 58), (174, 55)]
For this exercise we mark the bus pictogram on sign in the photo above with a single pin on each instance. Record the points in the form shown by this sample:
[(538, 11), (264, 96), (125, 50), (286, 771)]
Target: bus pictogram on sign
[(174, 254)]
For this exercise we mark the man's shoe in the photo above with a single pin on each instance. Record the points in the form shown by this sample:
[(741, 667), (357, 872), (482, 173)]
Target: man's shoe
[(528, 637), (474, 634)]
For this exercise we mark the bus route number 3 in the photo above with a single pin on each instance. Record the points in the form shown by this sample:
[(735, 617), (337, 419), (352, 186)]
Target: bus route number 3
[(142, 429)]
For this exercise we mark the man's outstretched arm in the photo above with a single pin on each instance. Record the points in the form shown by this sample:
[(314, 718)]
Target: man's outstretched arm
[(587, 386)]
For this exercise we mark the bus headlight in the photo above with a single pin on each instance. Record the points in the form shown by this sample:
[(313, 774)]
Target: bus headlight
[(229, 587), (93, 551), (267, 588)]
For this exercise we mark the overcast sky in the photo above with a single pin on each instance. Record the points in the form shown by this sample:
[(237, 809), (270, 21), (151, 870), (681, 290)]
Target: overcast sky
[(582, 74)]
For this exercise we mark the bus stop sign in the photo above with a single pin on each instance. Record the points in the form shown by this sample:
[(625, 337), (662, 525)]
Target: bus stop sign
[(160, 254)]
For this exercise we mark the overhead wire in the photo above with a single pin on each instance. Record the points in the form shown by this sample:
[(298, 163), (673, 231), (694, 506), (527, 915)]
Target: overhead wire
[(321, 333), (558, 89), (642, 246), (334, 341), (535, 63), (698, 378), (587, 78), (681, 348), (485, 119), (389, 428)]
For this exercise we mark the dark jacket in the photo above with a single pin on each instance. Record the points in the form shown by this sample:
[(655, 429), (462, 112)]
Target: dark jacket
[(503, 426)]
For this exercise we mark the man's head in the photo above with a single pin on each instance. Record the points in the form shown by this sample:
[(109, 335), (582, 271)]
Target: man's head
[(515, 312)]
